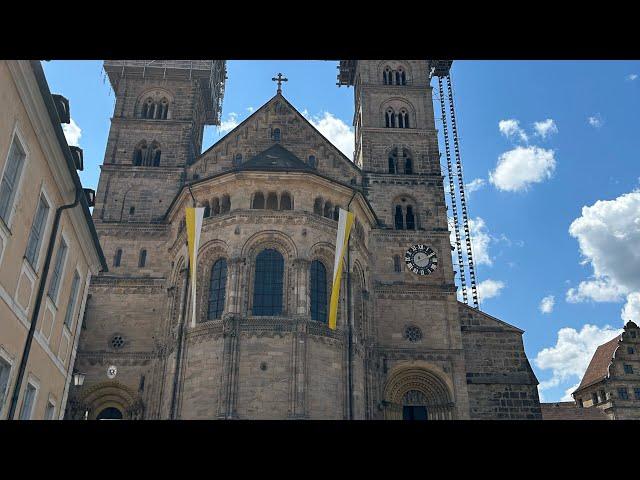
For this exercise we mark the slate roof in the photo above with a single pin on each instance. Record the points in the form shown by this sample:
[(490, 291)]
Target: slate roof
[(569, 411), (598, 368), (275, 157)]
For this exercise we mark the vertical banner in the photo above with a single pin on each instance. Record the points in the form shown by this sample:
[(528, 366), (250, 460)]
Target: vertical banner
[(194, 225), (345, 222)]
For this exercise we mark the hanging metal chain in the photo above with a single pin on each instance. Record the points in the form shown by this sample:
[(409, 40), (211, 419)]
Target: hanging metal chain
[(463, 201), (452, 192)]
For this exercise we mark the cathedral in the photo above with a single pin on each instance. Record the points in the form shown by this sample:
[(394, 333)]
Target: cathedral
[(405, 347)]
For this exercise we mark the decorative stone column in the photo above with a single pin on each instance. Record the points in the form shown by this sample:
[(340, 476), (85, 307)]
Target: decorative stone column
[(301, 288), (229, 384), (234, 286)]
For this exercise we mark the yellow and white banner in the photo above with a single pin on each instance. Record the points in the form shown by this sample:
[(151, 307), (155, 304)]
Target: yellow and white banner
[(345, 222), (194, 225)]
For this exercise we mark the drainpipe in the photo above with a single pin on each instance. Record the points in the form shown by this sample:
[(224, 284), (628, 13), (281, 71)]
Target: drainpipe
[(36, 308)]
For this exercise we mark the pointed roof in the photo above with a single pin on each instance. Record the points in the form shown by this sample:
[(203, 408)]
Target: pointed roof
[(275, 157), (598, 368), (279, 96)]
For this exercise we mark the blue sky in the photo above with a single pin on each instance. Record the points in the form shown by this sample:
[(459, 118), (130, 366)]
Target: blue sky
[(550, 154)]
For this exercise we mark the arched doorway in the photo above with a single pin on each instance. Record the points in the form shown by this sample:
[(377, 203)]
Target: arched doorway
[(414, 393), (414, 406), (110, 413)]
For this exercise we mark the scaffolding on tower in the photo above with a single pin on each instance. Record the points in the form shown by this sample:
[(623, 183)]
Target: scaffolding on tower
[(211, 74), (442, 70)]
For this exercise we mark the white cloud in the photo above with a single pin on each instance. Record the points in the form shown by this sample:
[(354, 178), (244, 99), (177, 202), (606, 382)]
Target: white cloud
[(631, 310), (595, 121), (608, 234), (229, 124), (480, 240), (632, 76), (336, 131), (517, 169), (567, 393), (571, 355), (547, 303), (250, 110), (489, 288), (475, 185), (598, 290), (511, 129), (545, 128), (72, 132)]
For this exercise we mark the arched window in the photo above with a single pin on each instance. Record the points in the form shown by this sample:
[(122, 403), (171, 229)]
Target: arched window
[(215, 206), (318, 292), (147, 156), (164, 109), (328, 210), (411, 222), (393, 161), (117, 257), (225, 205), (312, 161), (403, 119), (336, 213), (285, 201), (147, 108), (276, 135), (140, 153), (237, 160), (183, 225), (390, 118), (317, 206), (207, 210), (154, 157), (387, 76), (272, 201), (399, 220), (397, 266), (258, 200), (268, 283), (217, 289), (408, 166), (142, 260), (401, 77), (132, 210)]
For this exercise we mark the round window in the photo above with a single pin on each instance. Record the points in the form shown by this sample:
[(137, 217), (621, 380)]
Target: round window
[(117, 341), (412, 333)]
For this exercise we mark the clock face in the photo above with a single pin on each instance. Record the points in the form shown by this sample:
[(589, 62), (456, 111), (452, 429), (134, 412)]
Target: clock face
[(421, 259)]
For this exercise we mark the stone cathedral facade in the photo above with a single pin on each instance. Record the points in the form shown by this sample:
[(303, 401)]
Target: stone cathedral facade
[(271, 189)]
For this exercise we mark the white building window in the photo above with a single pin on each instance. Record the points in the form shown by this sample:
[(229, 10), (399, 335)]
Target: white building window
[(37, 231), (5, 375), (50, 411), (73, 298), (10, 178), (57, 271), (28, 401)]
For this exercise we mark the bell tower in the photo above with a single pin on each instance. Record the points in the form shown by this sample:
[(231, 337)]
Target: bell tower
[(156, 130)]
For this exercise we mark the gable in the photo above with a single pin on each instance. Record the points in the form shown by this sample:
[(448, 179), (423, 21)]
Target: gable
[(275, 158), (254, 136), (598, 368)]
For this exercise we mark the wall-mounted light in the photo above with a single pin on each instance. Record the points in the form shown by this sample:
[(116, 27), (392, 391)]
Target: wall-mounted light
[(78, 379)]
